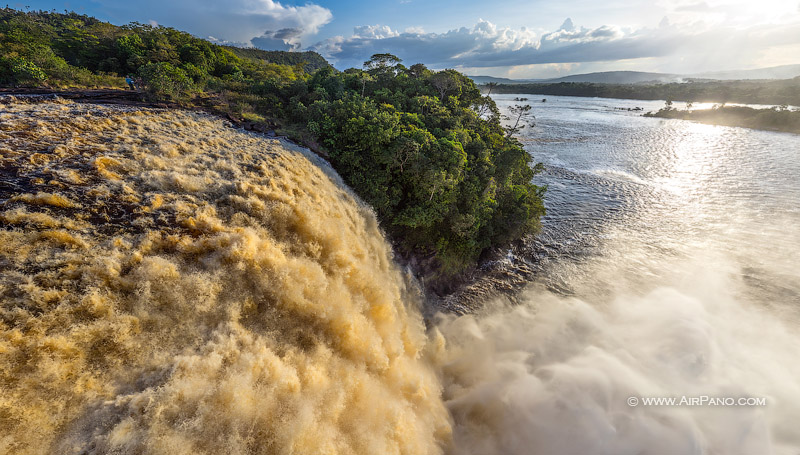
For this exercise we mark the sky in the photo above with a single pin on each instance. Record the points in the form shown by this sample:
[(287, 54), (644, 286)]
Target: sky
[(516, 38)]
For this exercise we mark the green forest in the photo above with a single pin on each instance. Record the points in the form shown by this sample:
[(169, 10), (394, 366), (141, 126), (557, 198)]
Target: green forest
[(424, 148)]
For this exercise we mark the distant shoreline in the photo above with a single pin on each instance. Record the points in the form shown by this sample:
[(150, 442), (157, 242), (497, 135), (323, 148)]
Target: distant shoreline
[(775, 119), (770, 93), (784, 119)]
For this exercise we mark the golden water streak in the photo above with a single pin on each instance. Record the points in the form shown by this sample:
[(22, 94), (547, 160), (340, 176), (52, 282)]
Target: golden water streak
[(171, 285)]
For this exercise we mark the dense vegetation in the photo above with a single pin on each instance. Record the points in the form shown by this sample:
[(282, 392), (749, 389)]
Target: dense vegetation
[(71, 50), (776, 118), (773, 92), (424, 148), (310, 61)]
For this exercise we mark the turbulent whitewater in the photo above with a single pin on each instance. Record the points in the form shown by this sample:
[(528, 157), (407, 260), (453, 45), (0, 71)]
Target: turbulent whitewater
[(171, 285), (667, 268)]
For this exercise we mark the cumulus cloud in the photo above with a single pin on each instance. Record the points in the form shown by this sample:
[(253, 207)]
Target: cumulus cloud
[(374, 32), (484, 44), (285, 39), (487, 45), (264, 23), (581, 35)]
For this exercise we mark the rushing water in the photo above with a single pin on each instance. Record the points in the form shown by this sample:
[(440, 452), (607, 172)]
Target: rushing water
[(171, 285), (668, 268)]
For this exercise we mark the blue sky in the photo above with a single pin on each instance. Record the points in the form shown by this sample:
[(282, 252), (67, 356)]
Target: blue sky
[(516, 38)]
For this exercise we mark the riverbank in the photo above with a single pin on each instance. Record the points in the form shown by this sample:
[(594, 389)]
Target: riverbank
[(775, 119)]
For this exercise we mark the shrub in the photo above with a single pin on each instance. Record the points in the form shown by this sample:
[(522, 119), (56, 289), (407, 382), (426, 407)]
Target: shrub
[(23, 71), (165, 80)]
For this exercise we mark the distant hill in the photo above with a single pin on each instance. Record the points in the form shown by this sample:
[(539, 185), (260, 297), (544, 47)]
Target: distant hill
[(775, 72), (500, 80), (617, 77), (607, 77), (642, 77), (312, 61)]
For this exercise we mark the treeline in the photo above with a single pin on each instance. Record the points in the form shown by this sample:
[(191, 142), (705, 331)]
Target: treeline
[(770, 92), (774, 119), (309, 60), (424, 148), (71, 50)]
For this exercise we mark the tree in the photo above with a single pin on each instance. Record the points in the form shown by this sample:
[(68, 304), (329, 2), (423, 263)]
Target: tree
[(519, 114), (381, 62), (365, 77), (24, 71), (164, 80), (486, 99), (418, 70), (444, 82)]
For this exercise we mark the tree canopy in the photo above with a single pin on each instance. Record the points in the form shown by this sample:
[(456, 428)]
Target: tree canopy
[(411, 142)]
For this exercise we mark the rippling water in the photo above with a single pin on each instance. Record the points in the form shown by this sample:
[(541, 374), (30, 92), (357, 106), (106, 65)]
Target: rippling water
[(624, 186), (667, 267)]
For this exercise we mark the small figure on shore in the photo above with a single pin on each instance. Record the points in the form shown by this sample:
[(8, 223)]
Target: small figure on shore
[(129, 80)]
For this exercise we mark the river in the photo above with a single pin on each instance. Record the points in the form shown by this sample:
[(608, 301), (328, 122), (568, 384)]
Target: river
[(666, 269)]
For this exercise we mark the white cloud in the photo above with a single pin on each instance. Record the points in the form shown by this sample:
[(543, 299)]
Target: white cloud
[(374, 32), (567, 25), (237, 21), (284, 39), (675, 47), (583, 34), (485, 44), (538, 71)]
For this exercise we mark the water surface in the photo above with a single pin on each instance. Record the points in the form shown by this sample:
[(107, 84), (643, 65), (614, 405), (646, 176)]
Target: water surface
[(667, 267)]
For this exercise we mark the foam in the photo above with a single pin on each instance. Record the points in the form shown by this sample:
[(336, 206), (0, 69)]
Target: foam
[(175, 286)]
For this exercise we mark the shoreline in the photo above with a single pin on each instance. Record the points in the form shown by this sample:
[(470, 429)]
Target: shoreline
[(766, 92), (779, 119), (775, 120)]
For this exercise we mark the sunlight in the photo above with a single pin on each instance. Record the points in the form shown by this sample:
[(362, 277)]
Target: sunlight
[(693, 147), (747, 13)]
